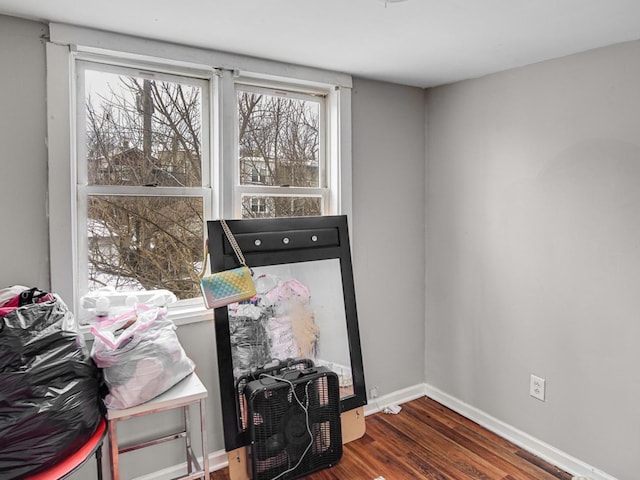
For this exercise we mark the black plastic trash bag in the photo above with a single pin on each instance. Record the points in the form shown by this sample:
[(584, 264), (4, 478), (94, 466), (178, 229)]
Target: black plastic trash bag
[(49, 388)]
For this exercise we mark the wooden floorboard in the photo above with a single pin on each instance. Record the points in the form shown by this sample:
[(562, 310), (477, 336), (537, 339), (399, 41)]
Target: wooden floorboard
[(429, 441)]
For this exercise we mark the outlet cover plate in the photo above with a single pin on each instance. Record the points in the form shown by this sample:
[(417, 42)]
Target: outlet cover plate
[(537, 387)]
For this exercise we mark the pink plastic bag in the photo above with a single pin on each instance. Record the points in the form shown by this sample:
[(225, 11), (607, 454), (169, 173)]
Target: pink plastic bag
[(140, 356)]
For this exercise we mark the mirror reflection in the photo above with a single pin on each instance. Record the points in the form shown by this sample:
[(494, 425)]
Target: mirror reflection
[(303, 315), (297, 313)]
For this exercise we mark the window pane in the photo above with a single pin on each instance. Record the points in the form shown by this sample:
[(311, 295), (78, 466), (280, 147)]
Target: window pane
[(145, 243), (279, 140), (254, 206), (141, 131)]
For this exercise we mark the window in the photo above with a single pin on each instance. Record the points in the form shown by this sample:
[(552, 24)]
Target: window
[(281, 152), (141, 189), (257, 176), (159, 145), (257, 205)]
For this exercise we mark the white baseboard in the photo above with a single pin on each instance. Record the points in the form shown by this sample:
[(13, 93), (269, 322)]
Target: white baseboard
[(537, 447), (562, 460), (398, 397), (217, 461)]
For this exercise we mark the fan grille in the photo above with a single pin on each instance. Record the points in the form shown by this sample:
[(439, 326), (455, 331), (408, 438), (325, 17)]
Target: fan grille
[(294, 423), (277, 367)]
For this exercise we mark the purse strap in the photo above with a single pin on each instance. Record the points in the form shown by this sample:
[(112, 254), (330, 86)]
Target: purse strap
[(234, 245), (233, 242)]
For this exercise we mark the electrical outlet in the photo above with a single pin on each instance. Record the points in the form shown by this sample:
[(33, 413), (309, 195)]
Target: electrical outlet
[(373, 393), (537, 387)]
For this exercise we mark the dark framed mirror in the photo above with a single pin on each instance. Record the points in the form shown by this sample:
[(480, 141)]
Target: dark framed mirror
[(304, 311)]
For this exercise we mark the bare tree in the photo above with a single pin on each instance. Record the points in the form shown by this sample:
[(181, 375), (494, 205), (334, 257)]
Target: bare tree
[(279, 141), (145, 133)]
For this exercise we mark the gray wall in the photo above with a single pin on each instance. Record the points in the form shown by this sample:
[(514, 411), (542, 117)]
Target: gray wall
[(24, 245), (532, 245), (387, 236), (533, 250)]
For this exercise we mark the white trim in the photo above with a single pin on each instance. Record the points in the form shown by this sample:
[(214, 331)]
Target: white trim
[(61, 188), (217, 461), (100, 41), (112, 60), (398, 397), (70, 43), (339, 108), (562, 460), (531, 444), (228, 168), (277, 191), (193, 312)]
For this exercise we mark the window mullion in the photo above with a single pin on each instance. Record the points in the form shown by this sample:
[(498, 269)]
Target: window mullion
[(142, 191), (227, 168), (281, 191)]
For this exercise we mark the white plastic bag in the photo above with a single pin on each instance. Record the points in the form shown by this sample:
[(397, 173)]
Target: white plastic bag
[(107, 302), (140, 356)]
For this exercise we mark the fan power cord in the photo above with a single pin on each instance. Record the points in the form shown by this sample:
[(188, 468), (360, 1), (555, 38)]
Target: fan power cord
[(305, 409)]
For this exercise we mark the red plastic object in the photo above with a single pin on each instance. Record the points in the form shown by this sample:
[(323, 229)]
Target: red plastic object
[(75, 460)]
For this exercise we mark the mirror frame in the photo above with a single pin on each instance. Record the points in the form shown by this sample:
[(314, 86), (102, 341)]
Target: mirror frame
[(309, 239)]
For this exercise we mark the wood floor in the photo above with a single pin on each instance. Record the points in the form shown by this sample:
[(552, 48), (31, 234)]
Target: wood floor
[(428, 441)]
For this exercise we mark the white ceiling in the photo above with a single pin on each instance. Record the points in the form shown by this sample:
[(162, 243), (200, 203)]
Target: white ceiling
[(418, 42)]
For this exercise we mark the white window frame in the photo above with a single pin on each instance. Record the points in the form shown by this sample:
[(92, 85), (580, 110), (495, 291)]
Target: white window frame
[(203, 79), (323, 189), (225, 70)]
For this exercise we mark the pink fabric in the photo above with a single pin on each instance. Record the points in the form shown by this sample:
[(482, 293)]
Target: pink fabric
[(14, 302), (6, 310)]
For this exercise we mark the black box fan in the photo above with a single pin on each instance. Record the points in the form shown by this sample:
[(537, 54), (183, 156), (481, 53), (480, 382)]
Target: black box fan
[(294, 423), (276, 367)]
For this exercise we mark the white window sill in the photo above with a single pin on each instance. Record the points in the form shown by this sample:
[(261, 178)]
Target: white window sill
[(179, 315)]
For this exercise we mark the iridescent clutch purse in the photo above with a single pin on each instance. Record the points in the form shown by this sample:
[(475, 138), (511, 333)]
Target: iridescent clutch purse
[(229, 286)]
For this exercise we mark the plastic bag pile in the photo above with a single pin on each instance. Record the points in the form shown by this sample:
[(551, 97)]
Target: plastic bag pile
[(49, 386), (140, 356)]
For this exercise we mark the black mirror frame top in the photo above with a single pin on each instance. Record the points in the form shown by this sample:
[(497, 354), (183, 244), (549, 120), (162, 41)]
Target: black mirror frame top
[(279, 241)]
